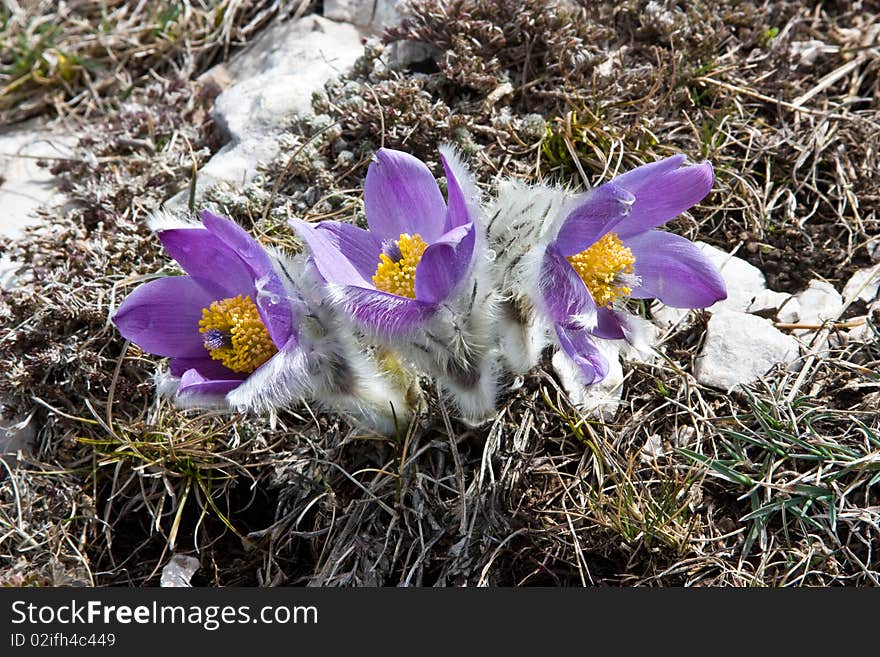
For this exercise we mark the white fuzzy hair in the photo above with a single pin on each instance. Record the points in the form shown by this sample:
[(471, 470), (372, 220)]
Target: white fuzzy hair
[(471, 192), (457, 344), (523, 221), (167, 219)]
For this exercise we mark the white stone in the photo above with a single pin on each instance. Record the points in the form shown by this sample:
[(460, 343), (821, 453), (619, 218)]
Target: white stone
[(16, 436), (653, 449), (768, 301), (373, 14), (861, 332), (403, 53), (24, 186), (272, 80), (684, 436), (667, 316), (599, 400), (743, 280), (805, 53), (864, 285), (613, 61), (178, 572), (819, 303), (873, 247), (789, 312), (863, 328), (8, 273), (740, 348)]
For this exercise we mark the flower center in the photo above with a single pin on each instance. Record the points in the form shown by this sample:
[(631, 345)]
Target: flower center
[(604, 268), (396, 272), (234, 334)]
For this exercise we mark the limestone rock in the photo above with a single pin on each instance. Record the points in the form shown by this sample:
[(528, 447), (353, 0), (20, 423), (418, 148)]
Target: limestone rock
[(25, 186), (270, 81), (740, 348), (819, 303), (667, 316), (178, 572), (743, 280), (873, 247), (653, 449), (372, 14), (15, 436), (768, 303), (864, 285)]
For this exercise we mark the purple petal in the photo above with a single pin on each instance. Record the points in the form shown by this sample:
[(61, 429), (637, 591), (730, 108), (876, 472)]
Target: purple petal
[(401, 196), (616, 324), (565, 294), (576, 343), (193, 383), (237, 238), (201, 254), (600, 211), (333, 265), (608, 325), (457, 213), (162, 316), (271, 300), (444, 264), (675, 271), (636, 178), (360, 247), (206, 366), (386, 314), (663, 190)]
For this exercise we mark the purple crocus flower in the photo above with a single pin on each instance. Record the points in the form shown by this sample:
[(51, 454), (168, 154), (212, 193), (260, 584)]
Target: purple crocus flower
[(416, 253), (607, 249), (221, 324)]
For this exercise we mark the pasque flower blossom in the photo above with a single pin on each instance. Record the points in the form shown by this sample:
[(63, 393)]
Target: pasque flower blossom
[(416, 252), (220, 323), (416, 279), (590, 253), (242, 331)]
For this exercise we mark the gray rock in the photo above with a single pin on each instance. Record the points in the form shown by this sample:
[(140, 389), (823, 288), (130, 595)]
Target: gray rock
[(372, 14), (744, 281), (864, 285), (873, 247), (268, 83), (8, 272), (740, 348), (667, 316), (653, 449), (769, 303), (24, 186), (819, 303), (178, 572), (16, 437)]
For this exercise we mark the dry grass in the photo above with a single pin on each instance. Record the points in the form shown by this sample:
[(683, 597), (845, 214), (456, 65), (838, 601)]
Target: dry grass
[(78, 57), (776, 485)]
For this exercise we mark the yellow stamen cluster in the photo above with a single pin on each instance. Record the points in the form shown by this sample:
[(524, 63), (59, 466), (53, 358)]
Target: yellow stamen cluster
[(248, 345), (399, 276), (601, 266)]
